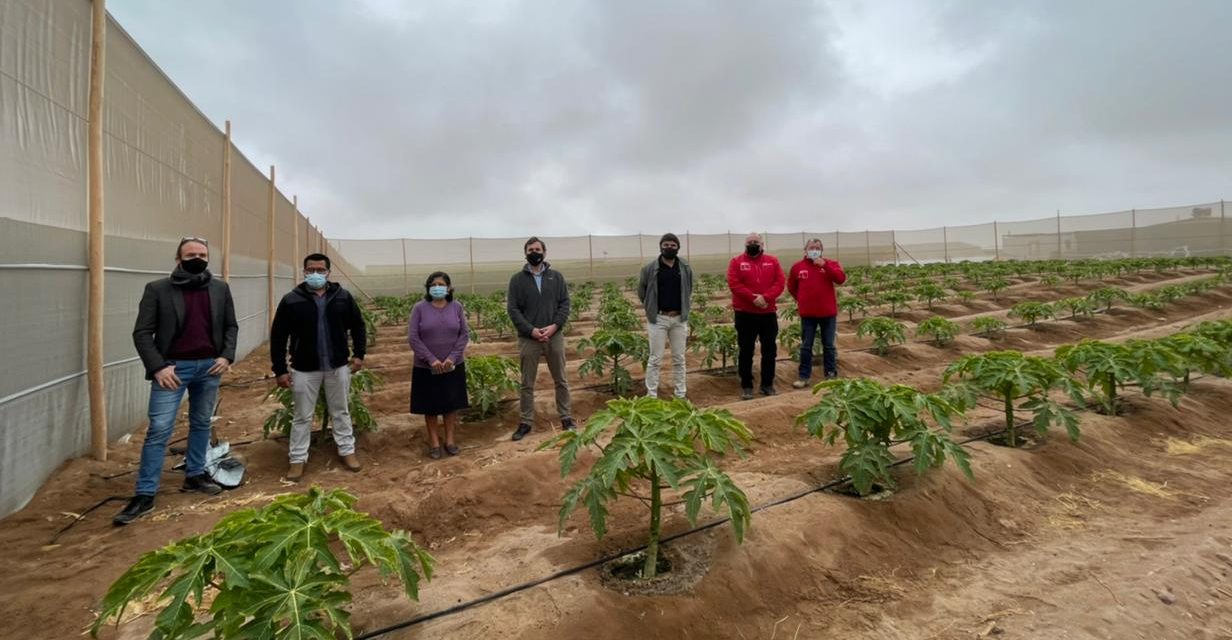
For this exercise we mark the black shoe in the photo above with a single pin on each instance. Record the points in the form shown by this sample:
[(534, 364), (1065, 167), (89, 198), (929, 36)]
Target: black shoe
[(452, 449), (746, 393), (201, 484), (521, 431), (769, 391), (568, 424), (137, 507)]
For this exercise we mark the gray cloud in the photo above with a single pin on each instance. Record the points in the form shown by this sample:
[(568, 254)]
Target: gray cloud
[(501, 118)]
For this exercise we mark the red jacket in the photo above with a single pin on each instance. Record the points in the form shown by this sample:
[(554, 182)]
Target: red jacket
[(747, 277), (813, 287)]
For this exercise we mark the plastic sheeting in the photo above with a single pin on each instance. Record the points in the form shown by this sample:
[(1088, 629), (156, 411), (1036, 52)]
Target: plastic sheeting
[(163, 180)]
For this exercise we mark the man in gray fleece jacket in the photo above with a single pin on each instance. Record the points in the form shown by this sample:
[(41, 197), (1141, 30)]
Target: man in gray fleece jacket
[(665, 287), (538, 304)]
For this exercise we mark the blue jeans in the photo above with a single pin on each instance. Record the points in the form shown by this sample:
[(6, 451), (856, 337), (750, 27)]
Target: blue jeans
[(202, 391), (829, 354)]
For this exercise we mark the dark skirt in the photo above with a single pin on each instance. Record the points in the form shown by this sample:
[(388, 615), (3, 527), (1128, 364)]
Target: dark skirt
[(438, 394)]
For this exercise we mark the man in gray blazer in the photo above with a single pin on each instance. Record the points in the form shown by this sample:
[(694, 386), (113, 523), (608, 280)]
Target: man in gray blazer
[(185, 334)]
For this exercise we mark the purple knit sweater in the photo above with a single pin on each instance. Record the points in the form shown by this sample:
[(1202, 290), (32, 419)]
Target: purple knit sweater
[(437, 334)]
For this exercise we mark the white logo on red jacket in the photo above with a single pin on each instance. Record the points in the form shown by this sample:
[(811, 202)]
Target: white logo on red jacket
[(744, 266), (802, 274)]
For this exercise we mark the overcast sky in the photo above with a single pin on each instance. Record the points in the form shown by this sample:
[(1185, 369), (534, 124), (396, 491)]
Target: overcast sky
[(443, 119)]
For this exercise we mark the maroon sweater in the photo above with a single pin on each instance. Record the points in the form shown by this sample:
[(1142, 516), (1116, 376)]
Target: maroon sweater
[(194, 341)]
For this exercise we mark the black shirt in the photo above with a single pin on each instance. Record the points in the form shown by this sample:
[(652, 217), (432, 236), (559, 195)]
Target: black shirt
[(669, 287)]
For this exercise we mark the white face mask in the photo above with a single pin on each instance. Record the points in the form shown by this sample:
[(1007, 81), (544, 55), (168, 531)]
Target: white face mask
[(813, 254)]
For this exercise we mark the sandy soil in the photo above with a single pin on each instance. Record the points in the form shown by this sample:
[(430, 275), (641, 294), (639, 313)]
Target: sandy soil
[(1122, 535)]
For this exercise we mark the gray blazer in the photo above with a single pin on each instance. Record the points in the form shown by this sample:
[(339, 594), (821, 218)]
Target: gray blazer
[(160, 317), (648, 288)]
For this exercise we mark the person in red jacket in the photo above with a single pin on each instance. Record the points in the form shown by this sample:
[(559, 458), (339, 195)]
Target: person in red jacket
[(811, 282), (756, 281)]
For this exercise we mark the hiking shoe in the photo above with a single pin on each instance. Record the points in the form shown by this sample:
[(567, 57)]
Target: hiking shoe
[(351, 462), (452, 449), (568, 424), (138, 506), (830, 375), (521, 431), (295, 472), (769, 391), (201, 484), (746, 393), (800, 384)]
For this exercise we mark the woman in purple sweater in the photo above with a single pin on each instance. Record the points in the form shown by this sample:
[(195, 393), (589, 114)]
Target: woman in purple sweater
[(438, 335)]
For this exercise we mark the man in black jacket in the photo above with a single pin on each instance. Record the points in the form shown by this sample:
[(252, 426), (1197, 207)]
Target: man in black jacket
[(185, 334), (538, 305), (317, 317)]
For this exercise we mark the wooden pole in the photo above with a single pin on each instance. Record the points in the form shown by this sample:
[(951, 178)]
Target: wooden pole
[(226, 206), (269, 255), (688, 248), (295, 226), (868, 248), (996, 242), (1222, 249), (1133, 233), (836, 247), (945, 244), (590, 251), (470, 242), (641, 254), (406, 280), (894, 246), (1060, 251), (94, 318)]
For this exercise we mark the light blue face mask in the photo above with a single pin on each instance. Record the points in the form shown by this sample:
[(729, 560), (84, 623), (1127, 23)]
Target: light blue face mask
[(438, 292), (813, 254), (316, 280)]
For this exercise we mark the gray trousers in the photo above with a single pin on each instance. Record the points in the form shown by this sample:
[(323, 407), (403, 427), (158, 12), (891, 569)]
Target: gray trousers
[(666, 329), (531, 351), (305, 385)]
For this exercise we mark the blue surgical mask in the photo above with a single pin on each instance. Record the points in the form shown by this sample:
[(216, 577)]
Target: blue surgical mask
[(813, 254), (438, 291), (316, 280)]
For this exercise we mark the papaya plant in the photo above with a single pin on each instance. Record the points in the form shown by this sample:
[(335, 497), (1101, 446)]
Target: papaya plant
[(1159, 368), (1009, 376), (272, 572), (363, 382), (941, 329), (988, 327), (928, 293), (489, 379), (1031, 312), (613, 348), (884, 331), (719, 343), (995, 286), (1106, 297), (1199, 353), (1077, 306), (896, 300), (654, 445), (853, 304), (1104, 366), (870, 416)]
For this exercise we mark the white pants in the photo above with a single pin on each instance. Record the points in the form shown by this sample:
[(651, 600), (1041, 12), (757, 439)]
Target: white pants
[(305, 386), (662, 330)]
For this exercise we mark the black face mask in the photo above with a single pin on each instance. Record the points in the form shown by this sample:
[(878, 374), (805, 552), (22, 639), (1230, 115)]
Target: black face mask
[(753, 250), (194, 265), (534, 258), (670, 254)]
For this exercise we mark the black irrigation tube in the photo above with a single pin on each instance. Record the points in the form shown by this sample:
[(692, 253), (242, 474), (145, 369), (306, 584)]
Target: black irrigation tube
[(507, 591)]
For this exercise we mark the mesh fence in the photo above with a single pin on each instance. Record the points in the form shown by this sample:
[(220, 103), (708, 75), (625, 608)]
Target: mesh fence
[(394, 267)]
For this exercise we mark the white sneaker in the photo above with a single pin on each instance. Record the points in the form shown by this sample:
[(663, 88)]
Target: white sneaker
[(800, 384)]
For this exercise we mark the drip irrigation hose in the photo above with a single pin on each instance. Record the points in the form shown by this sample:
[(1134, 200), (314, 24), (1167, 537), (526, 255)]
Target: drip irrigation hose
[(507, 591)]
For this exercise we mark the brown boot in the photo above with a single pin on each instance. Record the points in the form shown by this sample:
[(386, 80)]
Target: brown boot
[(295, 472), (351, 462)]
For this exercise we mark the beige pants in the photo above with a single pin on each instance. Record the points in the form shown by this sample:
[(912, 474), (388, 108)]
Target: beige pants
[(531, 351), (664, 330)]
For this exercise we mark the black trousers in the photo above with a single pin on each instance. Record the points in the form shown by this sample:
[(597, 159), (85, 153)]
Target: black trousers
[(751, 327)]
